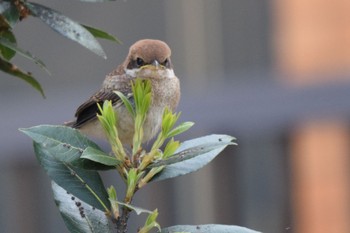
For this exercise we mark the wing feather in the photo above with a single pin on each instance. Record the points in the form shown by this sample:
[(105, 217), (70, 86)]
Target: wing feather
[(88, 110)]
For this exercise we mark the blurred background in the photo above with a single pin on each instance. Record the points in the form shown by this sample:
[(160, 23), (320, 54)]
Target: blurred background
[(274, 74)]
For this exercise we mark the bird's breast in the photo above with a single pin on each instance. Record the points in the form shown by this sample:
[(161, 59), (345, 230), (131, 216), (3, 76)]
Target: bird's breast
[(151, 125), (165, 93)]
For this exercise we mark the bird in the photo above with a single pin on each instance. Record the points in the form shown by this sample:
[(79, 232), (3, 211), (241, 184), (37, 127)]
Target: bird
[(148, 59)]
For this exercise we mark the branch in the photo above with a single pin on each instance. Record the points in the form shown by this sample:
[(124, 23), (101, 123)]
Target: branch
[(122, 221)]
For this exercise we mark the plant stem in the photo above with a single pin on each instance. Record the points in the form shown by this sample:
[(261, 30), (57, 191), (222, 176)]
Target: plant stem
[(122, 221)]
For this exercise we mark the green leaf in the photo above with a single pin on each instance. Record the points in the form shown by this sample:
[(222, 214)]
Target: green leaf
[(112, 193), (84, 184), (112, 197), (149, 175), (23, 53), (65, 144), (180, 129), (190, 153), (200, 152), (141, 90), (168, 121), (126, 102), (146, 102), (98, 33), (66, 27), (210, 228), (170, 148), (15, 71), (108, 120), (152, 217), (137, 210), (133, 176), (142, 95), (9, 13), (99, 157), (5, 52), (78, 215), (150, 223)]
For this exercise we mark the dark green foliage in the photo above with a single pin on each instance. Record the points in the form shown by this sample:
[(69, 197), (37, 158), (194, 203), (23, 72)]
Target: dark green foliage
[(10, 16)]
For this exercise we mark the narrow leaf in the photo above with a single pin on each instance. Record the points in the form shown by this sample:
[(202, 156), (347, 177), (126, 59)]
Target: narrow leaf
[(152, 217), (197, 162), (191, 153), (137, 210), (23, 53), (6, 52), (84, 184), (112, 193), (150, 223), (78, 215), (108, 120), (170, 148), (210, 228), (126, 102), (66, 27), (13, 70), (180, 129), (98, 33), (99, 157), (112, 197)]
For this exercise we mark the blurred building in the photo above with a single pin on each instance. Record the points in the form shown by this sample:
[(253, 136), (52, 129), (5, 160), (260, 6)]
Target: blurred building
[(274, 74)]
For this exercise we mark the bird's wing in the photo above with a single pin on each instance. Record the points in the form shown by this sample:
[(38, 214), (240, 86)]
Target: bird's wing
[(88, 110)]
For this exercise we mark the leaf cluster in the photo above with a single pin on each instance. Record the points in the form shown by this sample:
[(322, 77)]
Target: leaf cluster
[(14, 11), (72, 161)]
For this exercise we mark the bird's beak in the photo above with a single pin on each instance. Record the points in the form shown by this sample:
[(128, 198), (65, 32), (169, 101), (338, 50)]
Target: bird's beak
[(156, 64), (153, 66)]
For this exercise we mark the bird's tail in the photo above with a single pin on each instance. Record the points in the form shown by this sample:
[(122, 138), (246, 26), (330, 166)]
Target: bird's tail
[(69, 123)]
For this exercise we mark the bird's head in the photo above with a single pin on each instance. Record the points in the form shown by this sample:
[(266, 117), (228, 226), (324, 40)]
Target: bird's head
[(149, 59)]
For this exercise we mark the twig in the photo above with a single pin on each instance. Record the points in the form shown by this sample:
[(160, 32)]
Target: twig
[(122, 221)]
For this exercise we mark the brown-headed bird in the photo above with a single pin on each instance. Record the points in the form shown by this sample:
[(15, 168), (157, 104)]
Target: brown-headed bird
[(147, 59)]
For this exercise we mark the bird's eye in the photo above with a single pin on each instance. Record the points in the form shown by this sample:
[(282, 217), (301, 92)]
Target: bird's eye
[(166, 63), (139, 62)]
